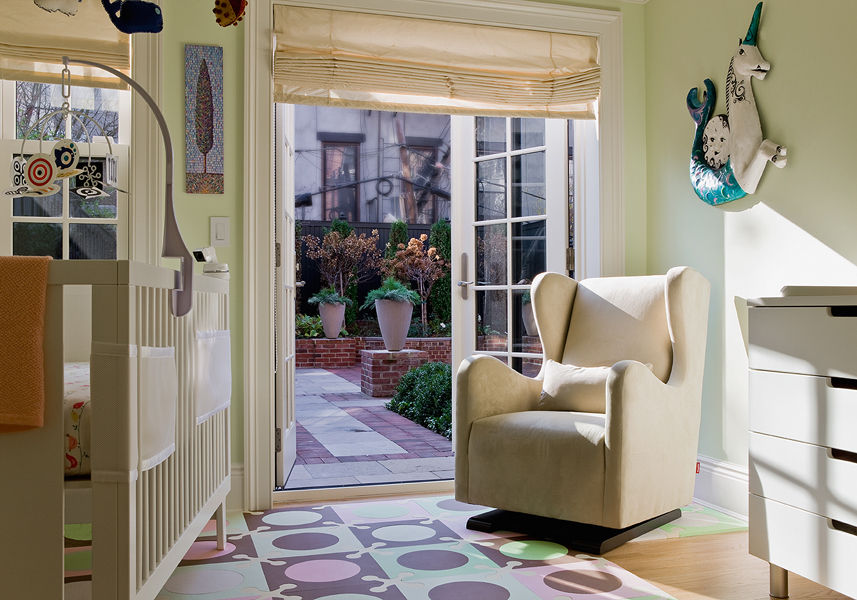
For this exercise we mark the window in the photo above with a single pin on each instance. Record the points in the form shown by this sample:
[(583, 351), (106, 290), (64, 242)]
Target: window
[(72, 223), (430, 177), (340, 168)]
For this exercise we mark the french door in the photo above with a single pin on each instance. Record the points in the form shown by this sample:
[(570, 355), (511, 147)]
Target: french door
[(510, 223), (285, 438)]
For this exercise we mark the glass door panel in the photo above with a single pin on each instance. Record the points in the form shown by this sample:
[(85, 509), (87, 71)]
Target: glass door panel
[(505, 205)]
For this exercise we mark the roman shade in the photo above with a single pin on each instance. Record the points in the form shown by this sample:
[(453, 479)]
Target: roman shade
[(33, 42), (361, 60)]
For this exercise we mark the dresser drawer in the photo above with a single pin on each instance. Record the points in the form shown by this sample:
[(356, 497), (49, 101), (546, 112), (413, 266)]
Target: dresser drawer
[(816, 410), (810, 477), (816, 340), (803, 543)]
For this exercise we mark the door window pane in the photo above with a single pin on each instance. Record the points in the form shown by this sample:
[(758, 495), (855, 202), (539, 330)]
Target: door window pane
[(528, 250), (527, 133), (491, 321), (37, 239), (490, 135), (92, 240), (491, 189), (491, 255), (528, 185)]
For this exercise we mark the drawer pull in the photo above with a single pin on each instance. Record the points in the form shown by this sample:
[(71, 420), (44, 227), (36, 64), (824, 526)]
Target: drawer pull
[(843, 455), (843, 527), (843, 383), (843, 311)]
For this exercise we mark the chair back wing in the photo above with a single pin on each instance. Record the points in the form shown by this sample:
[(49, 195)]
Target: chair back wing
[(620, 318), (687, 313)]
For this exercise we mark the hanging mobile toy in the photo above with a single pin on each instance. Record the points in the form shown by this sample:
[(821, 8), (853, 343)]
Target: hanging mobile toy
[(229, 12), (67, 7), (134, 16)]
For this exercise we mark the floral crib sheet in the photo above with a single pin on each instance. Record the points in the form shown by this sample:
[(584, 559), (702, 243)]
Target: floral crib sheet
[(76, 418)]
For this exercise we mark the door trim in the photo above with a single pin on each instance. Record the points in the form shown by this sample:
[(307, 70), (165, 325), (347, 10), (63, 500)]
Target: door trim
[(258, 178)]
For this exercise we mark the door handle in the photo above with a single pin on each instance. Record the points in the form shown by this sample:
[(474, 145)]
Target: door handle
[(463, 283)]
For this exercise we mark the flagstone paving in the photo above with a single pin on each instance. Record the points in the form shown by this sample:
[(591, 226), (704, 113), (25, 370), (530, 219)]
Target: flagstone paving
[(345, 437)]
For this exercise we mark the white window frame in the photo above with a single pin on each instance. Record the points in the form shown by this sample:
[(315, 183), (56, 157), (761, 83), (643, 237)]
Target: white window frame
[(10, 146), (259, 171)]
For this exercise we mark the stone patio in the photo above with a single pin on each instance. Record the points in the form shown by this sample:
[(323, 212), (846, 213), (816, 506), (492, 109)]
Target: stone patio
[(345, 437)]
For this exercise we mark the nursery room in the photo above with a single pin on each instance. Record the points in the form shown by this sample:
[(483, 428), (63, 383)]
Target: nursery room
[(350, 299)]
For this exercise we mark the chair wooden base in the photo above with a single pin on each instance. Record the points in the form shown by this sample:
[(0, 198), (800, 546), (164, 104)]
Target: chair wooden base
[(592, 539)]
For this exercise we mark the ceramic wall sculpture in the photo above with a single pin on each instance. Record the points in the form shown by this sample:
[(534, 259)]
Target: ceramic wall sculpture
[(729, 151)]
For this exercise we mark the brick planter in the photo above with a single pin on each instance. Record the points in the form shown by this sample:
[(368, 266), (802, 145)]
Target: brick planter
[(322, 353), (381, 370)]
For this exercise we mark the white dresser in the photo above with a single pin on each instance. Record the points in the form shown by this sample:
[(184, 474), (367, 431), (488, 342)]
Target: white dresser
[(803, 436)]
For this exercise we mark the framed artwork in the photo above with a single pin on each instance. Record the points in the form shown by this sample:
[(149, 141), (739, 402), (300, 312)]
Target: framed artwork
[(203, 119)]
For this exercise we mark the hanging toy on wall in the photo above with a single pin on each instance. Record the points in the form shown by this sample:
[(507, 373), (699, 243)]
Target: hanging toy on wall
[(134, 16), (229, 12), (67, 7), (729, 151)]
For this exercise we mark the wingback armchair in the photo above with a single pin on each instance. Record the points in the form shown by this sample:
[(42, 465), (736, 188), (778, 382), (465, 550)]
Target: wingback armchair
[(606, 434)]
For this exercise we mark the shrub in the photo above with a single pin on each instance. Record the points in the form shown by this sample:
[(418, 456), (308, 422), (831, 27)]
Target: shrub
[(421, 265), (398, 235), (424, 395), (308, 326), (391, 289), (440, 300)]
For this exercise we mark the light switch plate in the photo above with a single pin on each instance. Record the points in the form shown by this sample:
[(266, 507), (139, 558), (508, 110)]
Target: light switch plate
[(219, 231)]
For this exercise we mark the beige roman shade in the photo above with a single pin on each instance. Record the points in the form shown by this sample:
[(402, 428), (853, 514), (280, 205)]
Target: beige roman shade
[(33, 42), (363, 60)]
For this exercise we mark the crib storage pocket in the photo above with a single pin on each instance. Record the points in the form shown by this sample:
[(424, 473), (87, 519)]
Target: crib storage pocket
[(157, 398), (213, 373)]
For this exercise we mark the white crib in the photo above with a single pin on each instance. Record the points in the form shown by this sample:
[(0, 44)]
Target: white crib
[(148, 501)]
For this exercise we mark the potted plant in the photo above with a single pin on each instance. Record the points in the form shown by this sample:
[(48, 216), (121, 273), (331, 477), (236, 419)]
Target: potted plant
[(394, 303), (527, 314), (331, 308)]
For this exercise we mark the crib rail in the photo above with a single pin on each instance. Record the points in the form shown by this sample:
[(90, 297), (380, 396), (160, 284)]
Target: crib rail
[(153, 515)]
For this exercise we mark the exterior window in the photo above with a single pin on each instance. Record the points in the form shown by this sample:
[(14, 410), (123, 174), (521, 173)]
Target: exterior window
[(340, 168), (67, 224), (429, 179), (35, 100)]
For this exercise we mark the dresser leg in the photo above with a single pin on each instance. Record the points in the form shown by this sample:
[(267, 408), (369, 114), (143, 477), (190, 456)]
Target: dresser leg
[(779, 582)]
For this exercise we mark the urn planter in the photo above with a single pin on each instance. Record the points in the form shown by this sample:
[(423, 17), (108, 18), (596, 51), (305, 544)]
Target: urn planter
[(529, 319), (394, 319), (332, 318)]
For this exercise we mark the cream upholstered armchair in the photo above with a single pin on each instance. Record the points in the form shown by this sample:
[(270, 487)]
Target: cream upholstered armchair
[(604, 439)]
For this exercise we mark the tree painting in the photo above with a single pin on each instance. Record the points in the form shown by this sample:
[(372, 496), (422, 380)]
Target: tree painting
[(204, 119), (204, 114)]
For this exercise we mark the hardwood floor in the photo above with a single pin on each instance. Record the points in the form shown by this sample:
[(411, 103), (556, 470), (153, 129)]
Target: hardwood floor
[(709, 567)]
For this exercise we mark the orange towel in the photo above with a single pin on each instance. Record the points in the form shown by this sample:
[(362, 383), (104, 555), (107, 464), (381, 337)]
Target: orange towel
[(23, 295)]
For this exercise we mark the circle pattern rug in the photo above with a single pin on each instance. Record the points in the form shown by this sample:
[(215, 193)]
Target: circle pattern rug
[(410, 549)]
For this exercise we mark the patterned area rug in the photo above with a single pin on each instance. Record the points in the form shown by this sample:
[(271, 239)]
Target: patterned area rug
[(389, 550)]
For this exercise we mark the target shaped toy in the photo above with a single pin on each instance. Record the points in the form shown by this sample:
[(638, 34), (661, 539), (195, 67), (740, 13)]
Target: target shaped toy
[(40, 171), (66, 156)]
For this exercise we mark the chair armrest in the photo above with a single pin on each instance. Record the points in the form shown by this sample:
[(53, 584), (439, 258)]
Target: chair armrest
[(486, 387), (651, 439)]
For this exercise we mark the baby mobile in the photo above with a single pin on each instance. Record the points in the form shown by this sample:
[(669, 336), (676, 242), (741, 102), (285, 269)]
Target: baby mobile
[(37, 176), (141, 16)]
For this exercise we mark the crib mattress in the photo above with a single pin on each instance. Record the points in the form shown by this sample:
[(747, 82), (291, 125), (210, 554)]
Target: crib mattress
[(76, 418)]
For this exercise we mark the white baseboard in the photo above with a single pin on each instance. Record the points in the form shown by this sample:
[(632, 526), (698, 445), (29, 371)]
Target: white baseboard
[(235, 499), (723, 486)]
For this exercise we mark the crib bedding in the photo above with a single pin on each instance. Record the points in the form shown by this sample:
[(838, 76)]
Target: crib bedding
[(76, 419)]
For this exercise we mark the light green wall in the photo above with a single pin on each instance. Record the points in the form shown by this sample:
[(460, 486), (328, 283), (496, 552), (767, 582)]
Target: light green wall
[(192, 22), (799, 226)]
